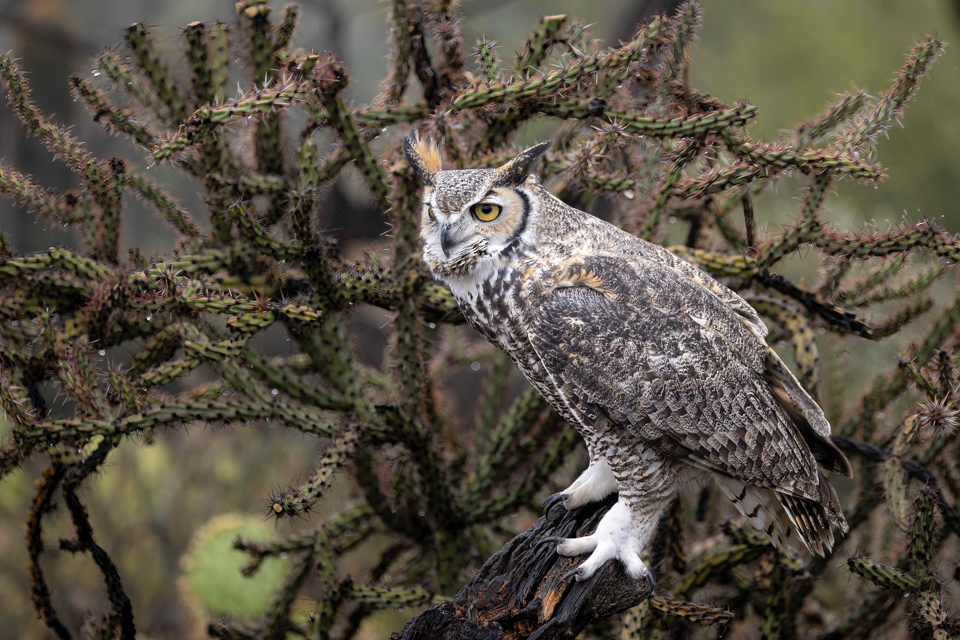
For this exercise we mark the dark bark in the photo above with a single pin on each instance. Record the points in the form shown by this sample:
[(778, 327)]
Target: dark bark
[(519, 592)]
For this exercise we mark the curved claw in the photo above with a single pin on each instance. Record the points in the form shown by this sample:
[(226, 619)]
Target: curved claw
[(649, 577), (552, 500), (547, 540), (579, 571), (572, 573)]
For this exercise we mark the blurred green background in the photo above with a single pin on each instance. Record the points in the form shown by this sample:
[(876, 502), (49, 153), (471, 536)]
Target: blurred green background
[(152, 502)]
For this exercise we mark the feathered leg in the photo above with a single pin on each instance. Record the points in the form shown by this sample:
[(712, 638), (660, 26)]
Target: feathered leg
[(595, 483)]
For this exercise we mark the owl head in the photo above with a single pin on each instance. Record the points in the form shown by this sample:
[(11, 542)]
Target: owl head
[(475, 214)]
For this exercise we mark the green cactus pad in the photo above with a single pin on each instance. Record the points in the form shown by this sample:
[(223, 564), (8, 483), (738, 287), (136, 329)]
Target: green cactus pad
[(212, 580)]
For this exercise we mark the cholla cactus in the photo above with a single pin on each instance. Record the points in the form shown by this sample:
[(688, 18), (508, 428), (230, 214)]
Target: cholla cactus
[(629, 127)]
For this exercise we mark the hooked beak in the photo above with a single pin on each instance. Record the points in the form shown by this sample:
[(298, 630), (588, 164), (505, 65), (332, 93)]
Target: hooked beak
[(446, 241)]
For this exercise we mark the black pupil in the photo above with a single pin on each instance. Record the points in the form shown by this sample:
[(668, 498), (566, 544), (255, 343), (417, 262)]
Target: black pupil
[(486, 209)]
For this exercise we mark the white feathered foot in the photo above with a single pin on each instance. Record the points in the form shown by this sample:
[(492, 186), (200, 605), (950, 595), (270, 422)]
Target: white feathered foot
[(617, 538), (595, 483)]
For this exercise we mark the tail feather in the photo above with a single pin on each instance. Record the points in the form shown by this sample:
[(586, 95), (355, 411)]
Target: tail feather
[(760, 506), (785, 517), (810, 520)]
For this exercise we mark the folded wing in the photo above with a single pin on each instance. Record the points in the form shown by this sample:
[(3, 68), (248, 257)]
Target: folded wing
[(678, 367)]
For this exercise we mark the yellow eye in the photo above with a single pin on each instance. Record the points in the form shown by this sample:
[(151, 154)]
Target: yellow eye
[(486, 211)]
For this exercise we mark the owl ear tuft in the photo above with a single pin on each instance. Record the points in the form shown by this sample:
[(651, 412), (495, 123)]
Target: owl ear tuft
[(516, 171), (424, 157)]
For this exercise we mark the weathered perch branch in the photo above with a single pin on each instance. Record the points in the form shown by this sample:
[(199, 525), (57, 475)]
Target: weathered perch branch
[(520, 593)]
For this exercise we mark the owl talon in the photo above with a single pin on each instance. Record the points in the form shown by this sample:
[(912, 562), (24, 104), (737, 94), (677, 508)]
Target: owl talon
[(574, 573), (632, 564), (552, 500), (548, 540)]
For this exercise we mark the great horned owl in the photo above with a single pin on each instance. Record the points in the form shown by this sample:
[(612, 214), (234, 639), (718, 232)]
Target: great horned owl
[(663, 371)]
